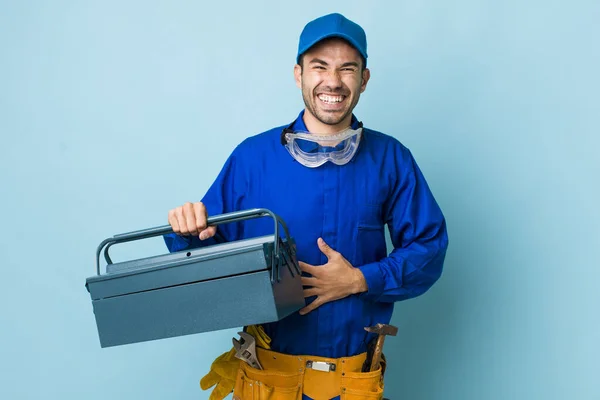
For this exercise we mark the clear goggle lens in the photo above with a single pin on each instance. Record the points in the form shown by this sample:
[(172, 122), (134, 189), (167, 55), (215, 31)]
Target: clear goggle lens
[(313, 150)]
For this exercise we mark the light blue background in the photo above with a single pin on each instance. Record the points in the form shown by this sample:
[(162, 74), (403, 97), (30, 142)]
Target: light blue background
[(113, 112)]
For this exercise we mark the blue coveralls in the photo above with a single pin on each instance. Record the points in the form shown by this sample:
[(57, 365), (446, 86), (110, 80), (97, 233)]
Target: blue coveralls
[(348, 206)]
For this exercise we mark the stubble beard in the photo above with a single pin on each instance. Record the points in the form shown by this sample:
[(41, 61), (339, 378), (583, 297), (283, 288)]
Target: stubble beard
[(310, 101)]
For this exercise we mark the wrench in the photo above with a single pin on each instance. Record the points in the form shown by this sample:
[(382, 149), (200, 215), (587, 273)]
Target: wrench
[(246, 349)]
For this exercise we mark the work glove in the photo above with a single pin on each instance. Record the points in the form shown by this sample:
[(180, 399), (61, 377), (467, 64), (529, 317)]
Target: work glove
[(223, 372), (262, 339)]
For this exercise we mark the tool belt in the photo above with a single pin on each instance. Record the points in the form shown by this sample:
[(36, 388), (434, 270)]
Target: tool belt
[(287, 377)]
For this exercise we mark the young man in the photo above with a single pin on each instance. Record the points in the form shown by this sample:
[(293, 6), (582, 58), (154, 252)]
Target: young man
[(336, 184)]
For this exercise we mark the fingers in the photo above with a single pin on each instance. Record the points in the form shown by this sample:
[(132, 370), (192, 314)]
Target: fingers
[(308, 268), (190, 219), (315, 304), (306, 281), (311, 292), (177, 221), (208, 232), (201, 215), (325, 249), (173, 221)]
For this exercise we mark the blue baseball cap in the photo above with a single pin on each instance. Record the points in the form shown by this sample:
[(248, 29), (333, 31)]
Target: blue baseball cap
[(332, 25)]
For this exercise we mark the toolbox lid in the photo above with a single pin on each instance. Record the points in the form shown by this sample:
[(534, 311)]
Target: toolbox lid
[(182, 267)]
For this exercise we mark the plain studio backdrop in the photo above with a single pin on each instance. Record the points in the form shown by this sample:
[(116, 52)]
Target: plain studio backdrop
[(113, 112)]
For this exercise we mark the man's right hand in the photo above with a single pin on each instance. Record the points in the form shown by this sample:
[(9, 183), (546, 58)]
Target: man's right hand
[(190, 219)]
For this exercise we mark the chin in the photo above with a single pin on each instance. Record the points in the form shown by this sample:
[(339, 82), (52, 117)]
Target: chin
[(332, 120)]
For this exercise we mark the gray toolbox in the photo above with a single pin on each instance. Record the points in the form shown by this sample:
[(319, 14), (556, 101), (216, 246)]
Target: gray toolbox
[(220, 286)]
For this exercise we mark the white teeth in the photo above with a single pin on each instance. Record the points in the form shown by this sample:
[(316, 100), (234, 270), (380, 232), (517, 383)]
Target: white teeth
[(330, 99)]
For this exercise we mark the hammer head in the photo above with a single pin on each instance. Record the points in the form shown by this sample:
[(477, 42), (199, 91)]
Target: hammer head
[(383, 329)]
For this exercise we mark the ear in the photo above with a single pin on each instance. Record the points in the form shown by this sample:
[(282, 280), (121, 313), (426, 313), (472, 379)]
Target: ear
[(298, 75), (366, 75)]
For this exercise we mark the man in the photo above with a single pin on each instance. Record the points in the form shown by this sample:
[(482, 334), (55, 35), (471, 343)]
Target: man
[(336, 184)]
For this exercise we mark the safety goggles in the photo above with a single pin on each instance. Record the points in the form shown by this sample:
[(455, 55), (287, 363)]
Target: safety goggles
[(313, 150)]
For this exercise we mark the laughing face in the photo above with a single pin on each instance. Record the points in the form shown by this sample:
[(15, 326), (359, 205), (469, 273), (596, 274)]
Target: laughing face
[(332, 78)]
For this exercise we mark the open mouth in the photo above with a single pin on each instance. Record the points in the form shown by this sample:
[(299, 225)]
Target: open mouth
[(331, 99)]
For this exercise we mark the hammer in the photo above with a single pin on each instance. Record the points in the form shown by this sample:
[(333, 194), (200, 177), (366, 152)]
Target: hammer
[(382, 330)]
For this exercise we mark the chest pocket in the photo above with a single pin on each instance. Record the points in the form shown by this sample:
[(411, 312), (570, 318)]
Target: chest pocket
[(370, 245), (370, 217)]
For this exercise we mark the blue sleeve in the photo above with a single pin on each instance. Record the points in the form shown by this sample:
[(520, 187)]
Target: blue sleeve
[(419, 236), (224, 195)]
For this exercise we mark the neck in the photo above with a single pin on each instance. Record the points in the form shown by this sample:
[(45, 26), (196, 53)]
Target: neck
[(319, 128)]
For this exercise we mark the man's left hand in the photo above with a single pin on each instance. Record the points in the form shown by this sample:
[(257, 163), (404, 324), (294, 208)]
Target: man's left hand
[(332, 281)]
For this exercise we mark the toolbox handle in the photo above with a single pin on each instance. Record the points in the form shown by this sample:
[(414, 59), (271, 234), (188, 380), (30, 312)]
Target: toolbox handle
[(234, 216)]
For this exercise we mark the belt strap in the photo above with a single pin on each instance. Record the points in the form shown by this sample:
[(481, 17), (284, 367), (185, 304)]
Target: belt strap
[(270, 359)]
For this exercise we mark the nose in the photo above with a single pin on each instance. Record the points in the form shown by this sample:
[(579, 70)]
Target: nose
[(333, 80)]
